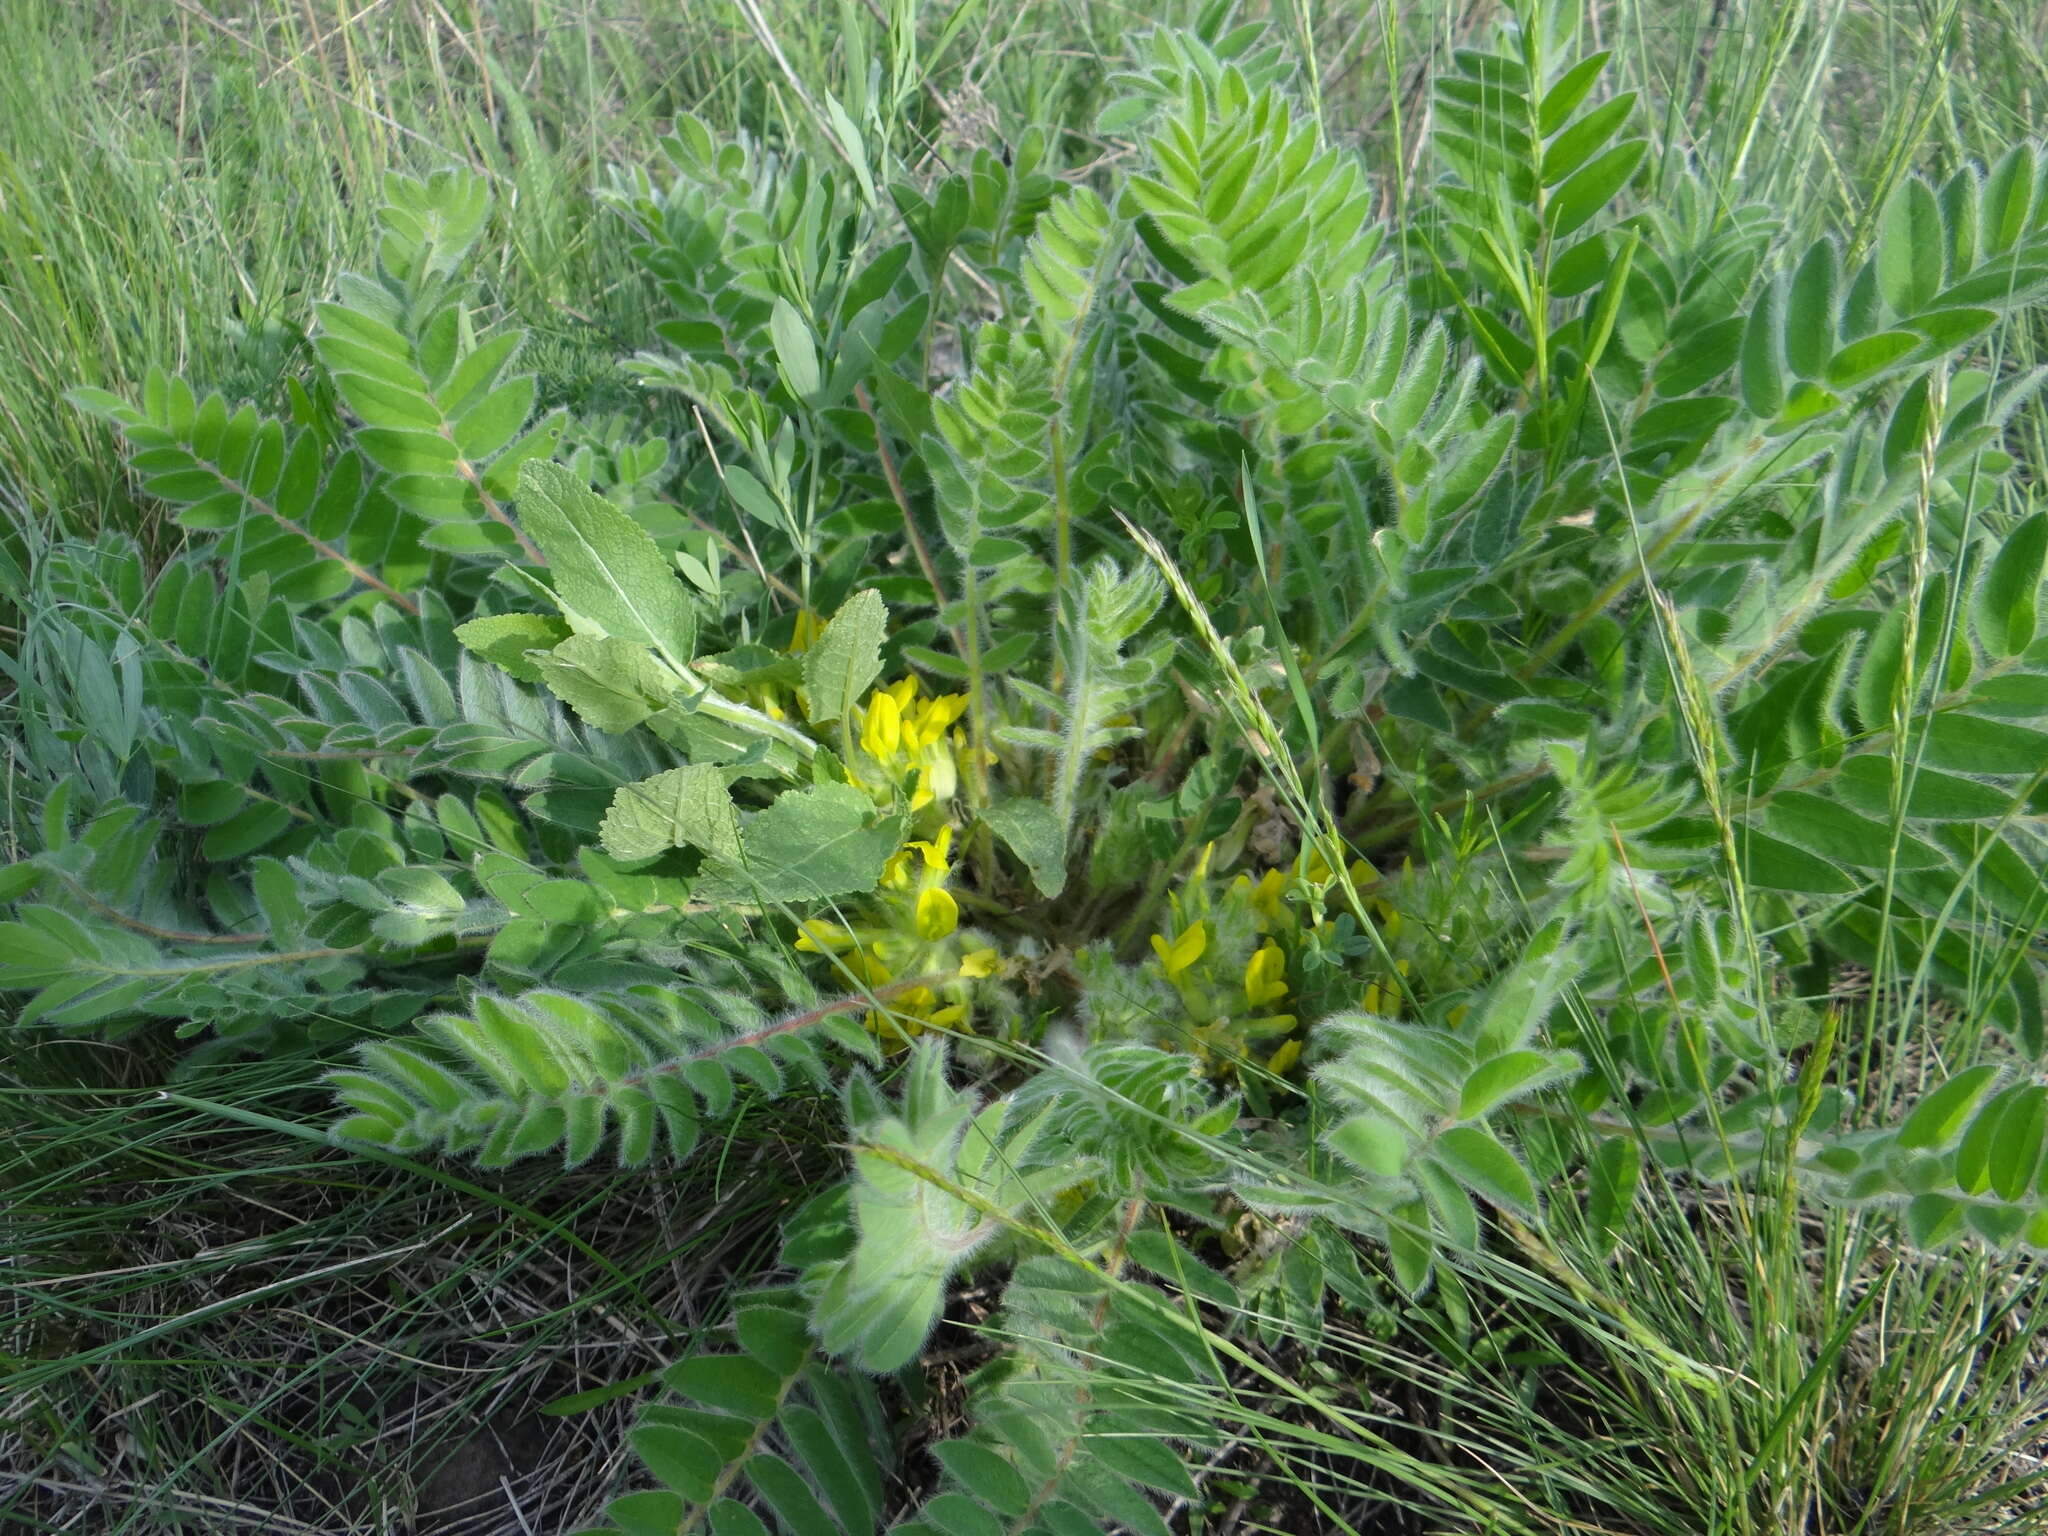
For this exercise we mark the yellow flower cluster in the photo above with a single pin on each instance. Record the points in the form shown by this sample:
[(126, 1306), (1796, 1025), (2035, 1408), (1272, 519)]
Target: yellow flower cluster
[(922, 916), (934, 912), (1221, 1022), (901, 731), (913, 918)]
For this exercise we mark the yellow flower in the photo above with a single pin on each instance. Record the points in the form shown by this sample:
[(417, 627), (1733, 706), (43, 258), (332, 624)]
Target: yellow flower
[(1183, 952), (937, 852), (1284, 1058), (1317, 871), (859, 954), (935, 913), (1389, 917), (1265, 978), (1268, 896), (979, 963), (938, 914), (912, 1012), (1387, 998), (900, 732), (816, 936)]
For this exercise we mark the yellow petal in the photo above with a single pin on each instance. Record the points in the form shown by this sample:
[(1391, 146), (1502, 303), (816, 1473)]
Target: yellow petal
[(818, 937), (1265, 977), (979, 963), (867, 968), (938, 914), (1184, 951), (938, 778), (1288, 1054), (1271, 1024), (924, 728), (1269, 896), (881, 733), (934, 852)]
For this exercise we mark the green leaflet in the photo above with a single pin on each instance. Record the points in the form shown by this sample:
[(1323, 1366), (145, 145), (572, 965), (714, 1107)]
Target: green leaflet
[(614, 684), (844, 662), (1032, 830), (2009, 595), (503, 639), (809, 845), (603, 566), (681, 808)]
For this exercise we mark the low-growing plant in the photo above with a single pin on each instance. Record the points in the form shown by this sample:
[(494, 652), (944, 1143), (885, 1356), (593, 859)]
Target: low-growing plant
[(1320, 734)]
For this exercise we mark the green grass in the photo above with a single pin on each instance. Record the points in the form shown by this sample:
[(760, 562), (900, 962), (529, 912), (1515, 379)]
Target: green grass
[(181, 185), (208, 1317), (178, 182)]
